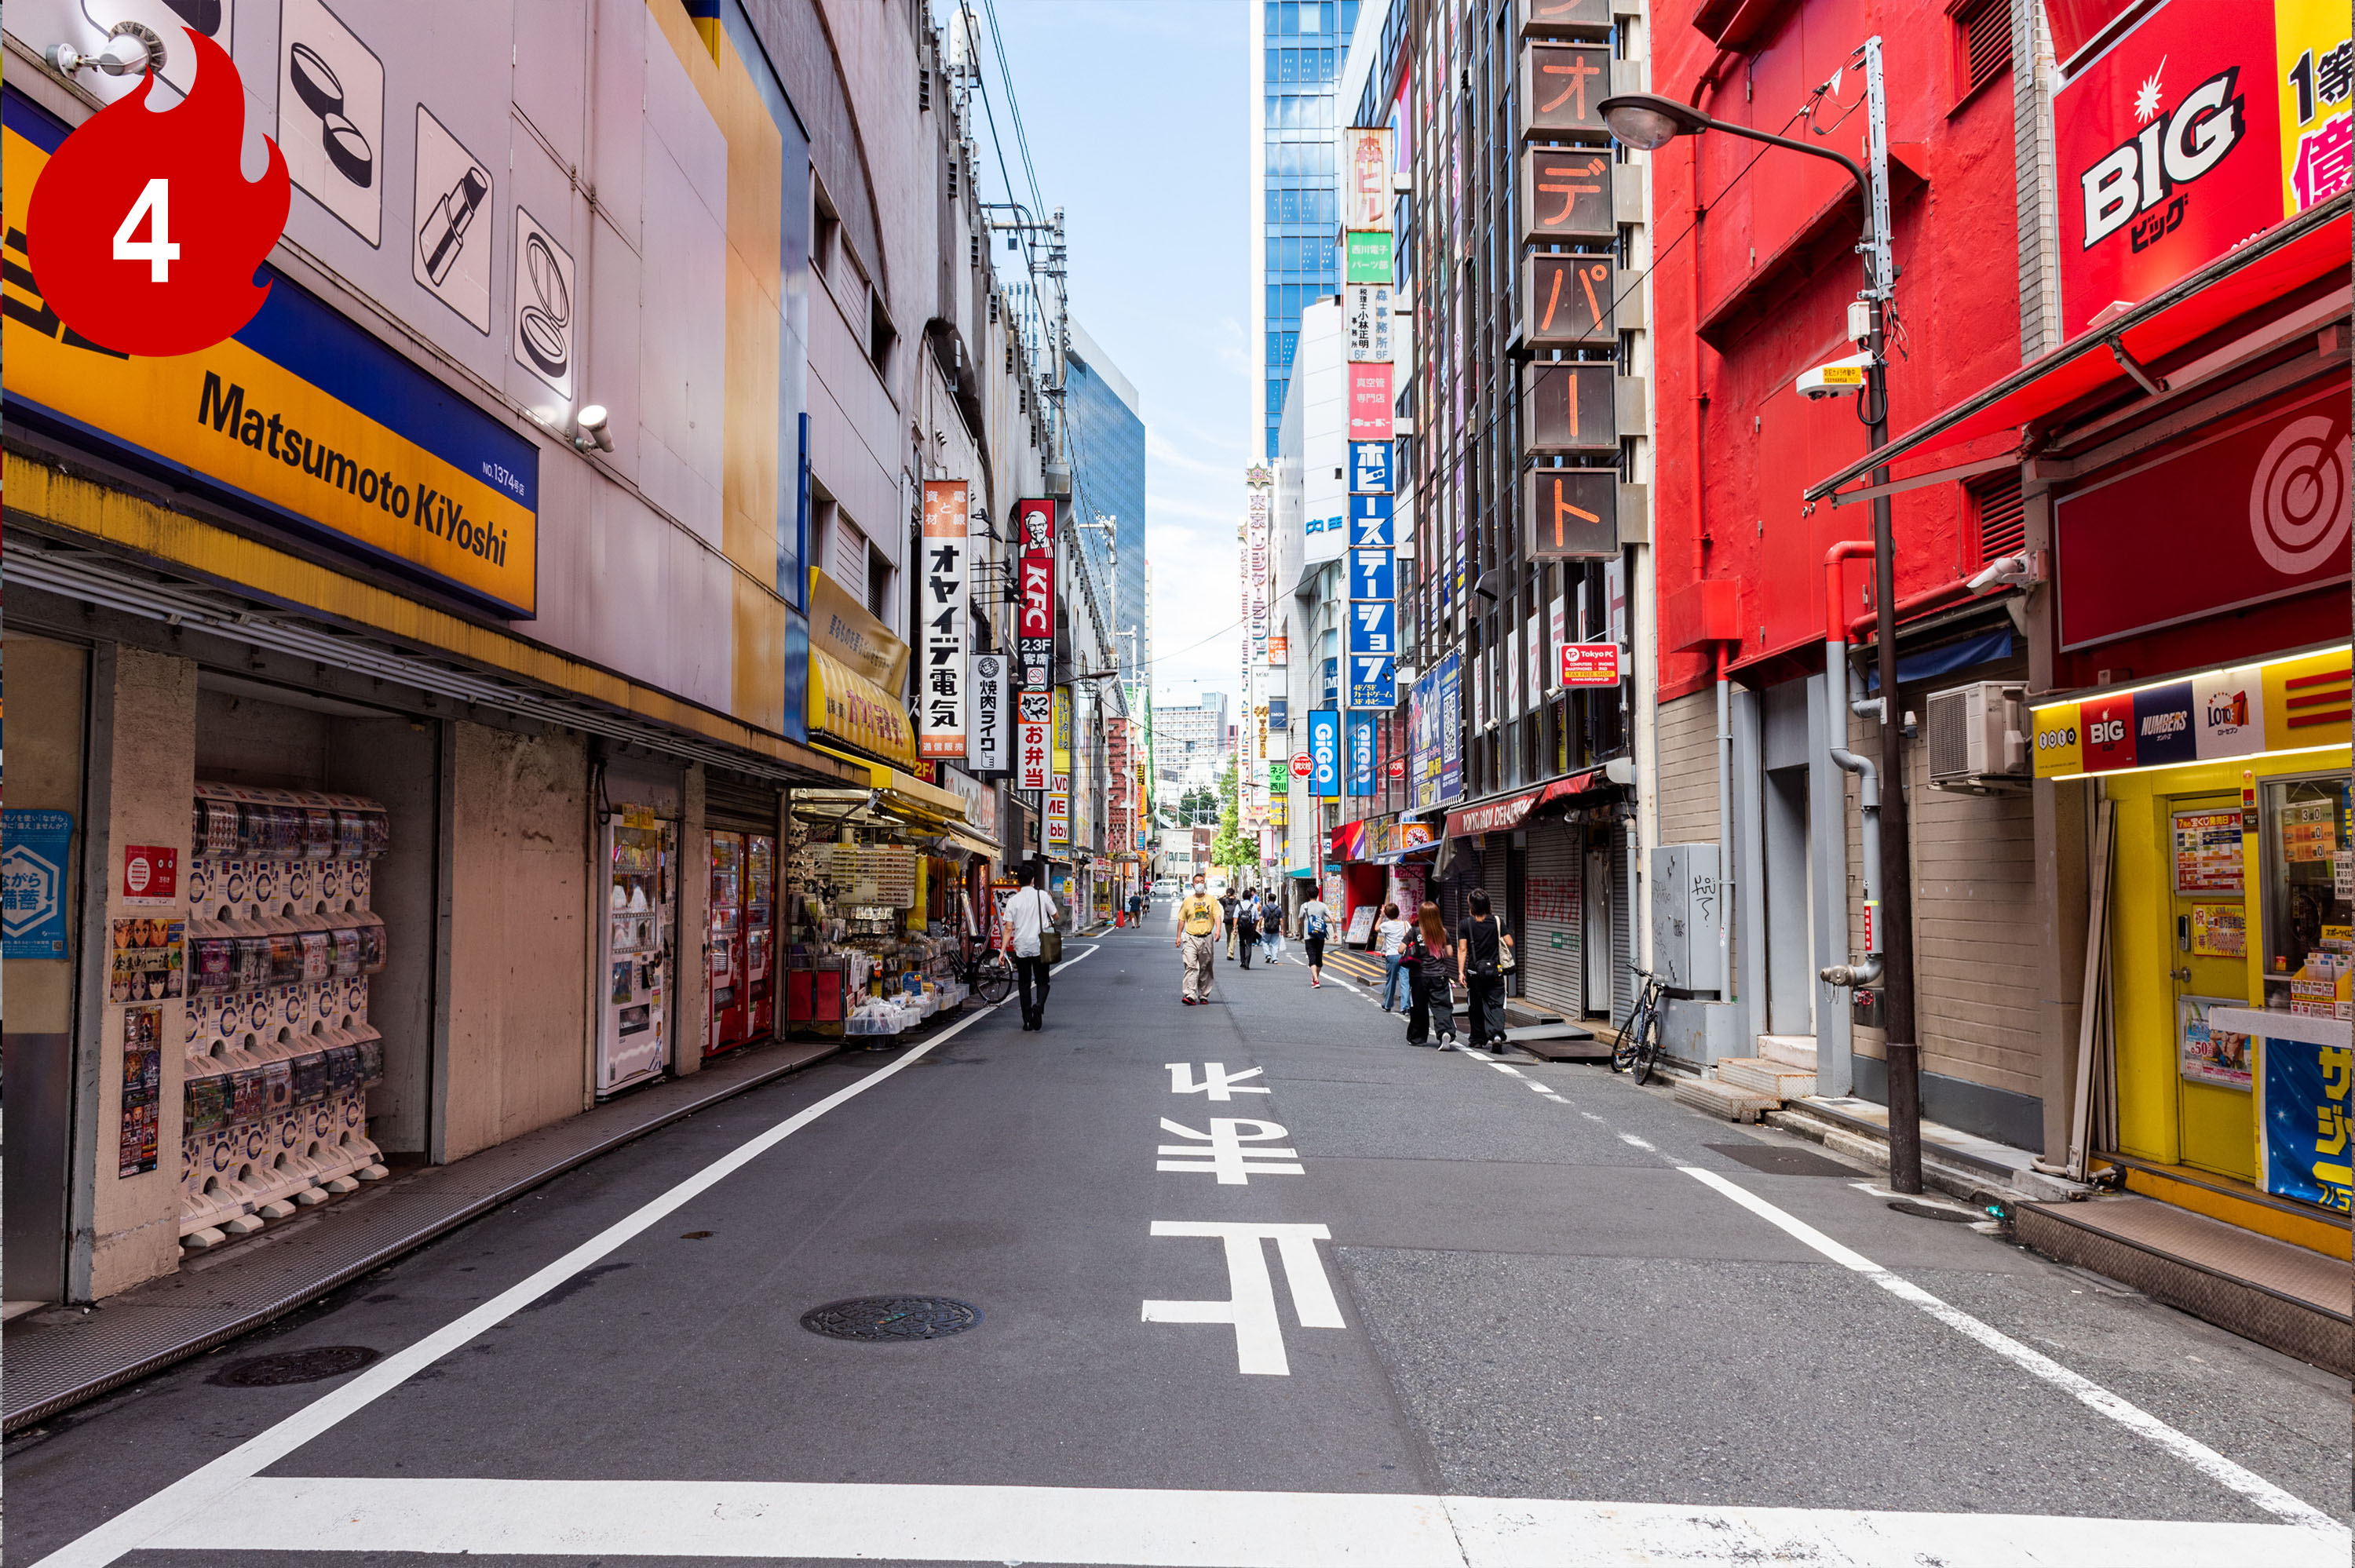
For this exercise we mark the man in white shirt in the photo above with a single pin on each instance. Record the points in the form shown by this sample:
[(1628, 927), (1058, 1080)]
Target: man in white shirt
[(1028, 913), (1315, 924)]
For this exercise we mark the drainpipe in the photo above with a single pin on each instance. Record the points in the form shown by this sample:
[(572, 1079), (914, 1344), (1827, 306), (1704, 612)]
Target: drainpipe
[(1836, 704), (1724, 826)]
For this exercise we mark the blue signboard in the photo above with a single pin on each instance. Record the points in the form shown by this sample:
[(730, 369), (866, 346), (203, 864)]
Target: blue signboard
[(1370, 521), (1279, 713), (33, 846), (1325, 752), (1373, 627), (1362, 754), (1369, 467), (1447, 688), (1372, 575), (2309, 1101), (1374, 681)]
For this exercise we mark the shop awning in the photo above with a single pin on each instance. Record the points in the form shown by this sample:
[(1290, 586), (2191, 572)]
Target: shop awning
[(902, 794), (848, 709), (974, 842), (2133, 356), (1503, 815)]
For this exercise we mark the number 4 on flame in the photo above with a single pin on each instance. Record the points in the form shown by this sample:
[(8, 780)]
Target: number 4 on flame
[(157, 250)]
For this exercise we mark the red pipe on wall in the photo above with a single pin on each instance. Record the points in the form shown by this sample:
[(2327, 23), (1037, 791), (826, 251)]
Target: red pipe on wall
[(1836, 625)]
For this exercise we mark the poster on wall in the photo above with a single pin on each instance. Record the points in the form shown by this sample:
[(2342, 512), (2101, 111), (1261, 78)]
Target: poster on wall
[(148, 961), (941, 638), (33, 883), (2219, 931), (142, 1089), (2308, 1154), (2208, 1055), (2208, 852)]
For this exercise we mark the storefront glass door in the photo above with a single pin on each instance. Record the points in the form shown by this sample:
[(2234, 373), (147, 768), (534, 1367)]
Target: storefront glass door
[(2210, 969)]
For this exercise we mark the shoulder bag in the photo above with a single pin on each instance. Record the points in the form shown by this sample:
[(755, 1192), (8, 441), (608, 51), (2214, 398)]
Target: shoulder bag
[(1050, 940)]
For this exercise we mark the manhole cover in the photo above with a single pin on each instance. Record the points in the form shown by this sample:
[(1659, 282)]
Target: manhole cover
[(1775, 1160), (891, 1317), (295, 1366)]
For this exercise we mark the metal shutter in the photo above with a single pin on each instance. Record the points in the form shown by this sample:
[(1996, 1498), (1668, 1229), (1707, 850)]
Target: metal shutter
[(1495, 875), (1553, 961), (732, 805), (1623, 933)]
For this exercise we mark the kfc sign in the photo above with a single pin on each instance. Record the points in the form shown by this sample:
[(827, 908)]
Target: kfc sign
[(1034, 633)]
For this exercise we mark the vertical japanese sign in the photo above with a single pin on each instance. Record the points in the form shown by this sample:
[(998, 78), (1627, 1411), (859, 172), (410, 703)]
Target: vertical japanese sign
[(1369, 403), (2308, 1113), (1257, 532), (1325, 752), (1567, 302), (1366, 179), (1573, 513), (942, 634), (1366, 321), (1562, 88), (1033, 631), (990, 693), (1362, 754), (1034, 716)]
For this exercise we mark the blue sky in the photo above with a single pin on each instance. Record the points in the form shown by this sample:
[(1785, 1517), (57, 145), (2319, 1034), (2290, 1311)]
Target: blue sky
[(1134, 111)]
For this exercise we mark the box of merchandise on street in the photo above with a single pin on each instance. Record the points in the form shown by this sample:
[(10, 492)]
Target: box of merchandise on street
[(880, 1015)]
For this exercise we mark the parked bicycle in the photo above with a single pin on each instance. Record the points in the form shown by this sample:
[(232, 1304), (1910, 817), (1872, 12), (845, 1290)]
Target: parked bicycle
[(987, 975), (1639, 1042)]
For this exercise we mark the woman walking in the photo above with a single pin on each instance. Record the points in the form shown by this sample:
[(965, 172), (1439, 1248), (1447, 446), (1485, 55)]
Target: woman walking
[(1389, 938), (1429, 966), (1481, 945)]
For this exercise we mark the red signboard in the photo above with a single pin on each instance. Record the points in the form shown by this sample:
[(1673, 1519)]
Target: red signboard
[(1034, 633), (2108, 731), (2175, 146), (151, 875), (1370, 402), (1590, 663), (2256, 510)]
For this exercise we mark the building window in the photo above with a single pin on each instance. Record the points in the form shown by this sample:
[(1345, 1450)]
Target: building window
[(1982, 44)]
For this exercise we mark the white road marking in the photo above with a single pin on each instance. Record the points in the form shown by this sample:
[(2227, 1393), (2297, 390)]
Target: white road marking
[(1217, 1084), (2198, 1454), (1505, 1067), (1229, 1151), (200, 1490), (1631, 1138), (1155, 1529), (1250, 1305), (1590, 1115)]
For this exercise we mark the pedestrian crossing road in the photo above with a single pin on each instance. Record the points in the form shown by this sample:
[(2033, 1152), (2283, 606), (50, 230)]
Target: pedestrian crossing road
[(1247, 1284)]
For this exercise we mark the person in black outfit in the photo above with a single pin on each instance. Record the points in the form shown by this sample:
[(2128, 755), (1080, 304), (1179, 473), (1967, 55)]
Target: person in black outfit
[(1430, 965), (1247, 926), (1479, 964)]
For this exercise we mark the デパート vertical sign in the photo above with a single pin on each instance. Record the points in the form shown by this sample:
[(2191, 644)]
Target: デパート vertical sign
[(941, 635), (1568, 300), (1034, 633), (1562, 88), (1571, 408), (1566, 196), (1573, 513)]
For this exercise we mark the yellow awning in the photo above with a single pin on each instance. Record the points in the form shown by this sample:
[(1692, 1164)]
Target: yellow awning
[(904, 793), (847, 707)]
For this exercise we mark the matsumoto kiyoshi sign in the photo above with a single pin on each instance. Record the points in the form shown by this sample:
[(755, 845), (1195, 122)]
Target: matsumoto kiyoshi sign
[(301, 418)]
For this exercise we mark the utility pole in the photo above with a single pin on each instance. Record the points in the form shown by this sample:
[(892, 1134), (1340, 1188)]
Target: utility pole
[(1903, 1058)]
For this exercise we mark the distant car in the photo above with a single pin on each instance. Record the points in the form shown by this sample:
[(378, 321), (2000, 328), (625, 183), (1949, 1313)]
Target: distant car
[(1165, 888)]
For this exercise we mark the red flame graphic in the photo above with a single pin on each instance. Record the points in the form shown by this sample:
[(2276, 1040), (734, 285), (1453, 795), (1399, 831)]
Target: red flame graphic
[(222, 224)]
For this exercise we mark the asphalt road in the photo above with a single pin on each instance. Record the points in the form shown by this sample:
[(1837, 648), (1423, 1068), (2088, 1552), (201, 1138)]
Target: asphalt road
[(1403, 1306)]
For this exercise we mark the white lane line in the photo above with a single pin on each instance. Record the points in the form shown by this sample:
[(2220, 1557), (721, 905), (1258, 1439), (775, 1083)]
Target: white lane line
[(1590, 1115), (1505, 1067), (775, 1521), (201, 1488), (2198, 1454), (1631, 1138)]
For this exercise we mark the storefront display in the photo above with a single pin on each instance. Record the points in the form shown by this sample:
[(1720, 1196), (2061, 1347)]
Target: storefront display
[(875, 935), (633, 1033), (743, 939), (279, 944)]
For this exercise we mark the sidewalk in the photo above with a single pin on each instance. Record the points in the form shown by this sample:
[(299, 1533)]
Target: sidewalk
[(60, 1356)]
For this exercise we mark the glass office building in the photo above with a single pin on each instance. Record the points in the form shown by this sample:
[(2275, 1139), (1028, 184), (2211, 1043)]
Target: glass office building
[(1105, 423), (1297, 48)]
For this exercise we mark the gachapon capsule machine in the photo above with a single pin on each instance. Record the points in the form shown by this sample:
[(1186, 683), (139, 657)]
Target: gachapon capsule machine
[(634, 950)]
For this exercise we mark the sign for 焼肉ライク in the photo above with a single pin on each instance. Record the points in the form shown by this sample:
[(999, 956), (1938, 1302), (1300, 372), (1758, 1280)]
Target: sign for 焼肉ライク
[(301, 418)]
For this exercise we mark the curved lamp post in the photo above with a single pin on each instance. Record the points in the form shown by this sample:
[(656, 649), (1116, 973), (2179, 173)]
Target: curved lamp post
[(1647, 122)]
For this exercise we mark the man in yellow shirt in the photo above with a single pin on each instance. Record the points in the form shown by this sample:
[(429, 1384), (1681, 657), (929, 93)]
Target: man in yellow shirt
[(1199, 920)]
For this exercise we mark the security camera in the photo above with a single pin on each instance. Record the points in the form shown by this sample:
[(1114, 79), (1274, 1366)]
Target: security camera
[(590, 422), (130, 48), (1841, 378), (2007, 571)]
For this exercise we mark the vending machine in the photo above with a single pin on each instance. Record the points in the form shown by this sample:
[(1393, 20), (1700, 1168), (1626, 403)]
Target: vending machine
[(634, 947), (728, 992), (760, 937)]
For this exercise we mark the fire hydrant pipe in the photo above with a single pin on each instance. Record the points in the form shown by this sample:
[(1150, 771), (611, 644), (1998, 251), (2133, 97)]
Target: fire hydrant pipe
[(1836, 709)]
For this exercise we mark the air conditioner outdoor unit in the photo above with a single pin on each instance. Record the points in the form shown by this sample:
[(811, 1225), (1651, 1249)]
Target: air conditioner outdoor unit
[(1977, 735)]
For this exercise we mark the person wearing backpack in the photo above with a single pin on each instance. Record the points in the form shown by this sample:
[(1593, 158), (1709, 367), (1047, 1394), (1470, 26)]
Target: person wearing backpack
[(1247, 926), (1483, 954), (1431, 1005), (1315, 924), (1029, 917)]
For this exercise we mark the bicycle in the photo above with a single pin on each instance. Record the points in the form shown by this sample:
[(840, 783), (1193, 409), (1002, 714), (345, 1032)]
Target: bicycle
[(1639, 1042), (987, 975)]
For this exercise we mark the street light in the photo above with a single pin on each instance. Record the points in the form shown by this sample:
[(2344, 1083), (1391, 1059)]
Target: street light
[(1649, 122)]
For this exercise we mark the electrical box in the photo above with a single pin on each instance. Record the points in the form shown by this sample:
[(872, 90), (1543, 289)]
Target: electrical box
[(1976, 732), (1687, 913)]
